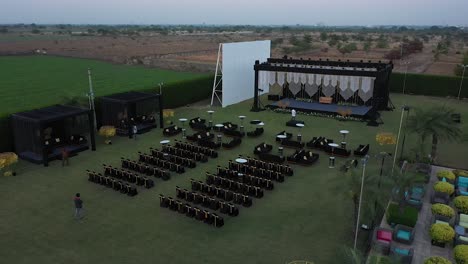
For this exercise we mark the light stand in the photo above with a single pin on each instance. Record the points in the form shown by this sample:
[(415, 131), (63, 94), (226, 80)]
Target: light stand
[(406, 71), (398, 139), (91, 98), (463, 76), (364, 164), (406, 109)]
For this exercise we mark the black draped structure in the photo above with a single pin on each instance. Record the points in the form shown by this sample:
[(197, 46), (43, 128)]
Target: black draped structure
[(40, 135), (305, 84), (124, 110)]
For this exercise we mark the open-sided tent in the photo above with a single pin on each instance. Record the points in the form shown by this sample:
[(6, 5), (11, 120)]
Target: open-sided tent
[(41, 134), (124, 110)]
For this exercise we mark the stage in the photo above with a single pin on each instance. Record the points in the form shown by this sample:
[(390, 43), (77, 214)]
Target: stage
[(309, 107)]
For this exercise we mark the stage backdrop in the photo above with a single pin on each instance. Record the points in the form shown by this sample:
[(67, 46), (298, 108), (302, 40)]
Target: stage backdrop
[(238, 73)]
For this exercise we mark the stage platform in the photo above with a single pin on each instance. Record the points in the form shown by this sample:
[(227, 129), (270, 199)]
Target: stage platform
[(55, 154), (309, 107)]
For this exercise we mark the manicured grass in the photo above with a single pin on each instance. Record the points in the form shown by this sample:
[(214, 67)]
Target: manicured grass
[(305, 218), (37, 81)]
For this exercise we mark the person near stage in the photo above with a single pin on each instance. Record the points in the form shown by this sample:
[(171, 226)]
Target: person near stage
[(293, 114), (135, 131), (78, 206), (65, 156)]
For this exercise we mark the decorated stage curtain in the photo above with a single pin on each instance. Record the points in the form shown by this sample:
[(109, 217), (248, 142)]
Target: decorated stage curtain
[(344, 89), (367, 88), (263, 80), (311, 87), (294, 84), (328, 89), (281, 78)]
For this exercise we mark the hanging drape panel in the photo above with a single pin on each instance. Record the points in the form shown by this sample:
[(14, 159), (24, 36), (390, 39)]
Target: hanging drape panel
[(272, 78), (311, 87), (303, 78), (344, 82), (327, 88), (318, 79), (280, 78), (289, 77), (296, 77), (263, 81), (326, 80), (367, 89), (354, 83), (334, 80)]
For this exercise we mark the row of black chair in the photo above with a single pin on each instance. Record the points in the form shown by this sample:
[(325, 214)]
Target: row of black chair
[(242, 178), (127, 176), (229, 194), (250, 185), (190, 163), (285, 169), (156, 162), (194, 148), (124, 188), (205, 201), (185, 153), (255, 171), (191, 211), (145, 169)]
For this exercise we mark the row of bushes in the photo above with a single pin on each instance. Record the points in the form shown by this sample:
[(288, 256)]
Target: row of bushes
[(174, 95), (432, 85), (460, 254)]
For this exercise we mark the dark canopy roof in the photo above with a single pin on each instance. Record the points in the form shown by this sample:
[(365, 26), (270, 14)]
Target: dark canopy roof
[(51, 113), (129, 97)]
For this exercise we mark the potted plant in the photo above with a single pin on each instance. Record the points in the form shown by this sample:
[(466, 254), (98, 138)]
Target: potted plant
[(447, 175), (107, 132), (7, 160), (461, 203), (460, 254), (441, 234), (444, 187), (437, 260), (443, 210)]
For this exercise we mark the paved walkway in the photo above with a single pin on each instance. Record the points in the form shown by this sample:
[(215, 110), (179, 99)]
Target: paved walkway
[(422, 240)]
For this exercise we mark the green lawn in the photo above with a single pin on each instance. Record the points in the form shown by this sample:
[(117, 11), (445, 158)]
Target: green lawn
[(304, 218), (37, 81)]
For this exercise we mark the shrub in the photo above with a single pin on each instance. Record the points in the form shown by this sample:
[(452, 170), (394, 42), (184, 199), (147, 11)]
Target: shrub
[(460, 173), (460, 253), (448, 175), (442, 209), (441, 233), (461, 203), (444, 187), (437, 260), (408, 216)]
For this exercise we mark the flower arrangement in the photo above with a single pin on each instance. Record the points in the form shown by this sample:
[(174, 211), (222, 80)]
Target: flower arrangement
[(442, 209), (461, 203), (168, 113), (385, 138), (437, 260), (460, 254), (107, 132), (448, 175), (280, 110), (444, 187), (441, 233), (7, 160)]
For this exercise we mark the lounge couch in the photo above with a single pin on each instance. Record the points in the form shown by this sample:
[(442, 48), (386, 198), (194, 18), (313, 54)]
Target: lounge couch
[(404, 255), (440, 219), (319, 143), (440, 197), (462, 220), (203, 135), (233, 143), (209, 144), (415, 197), (362, 150), (381, 239), (233, 133), (462, 186), (229, 126), (303, 157), (262, 148), (288, 135), (271, 157), (403, 234), (257, 132), (292, 143), (172, 131), (338, 151)]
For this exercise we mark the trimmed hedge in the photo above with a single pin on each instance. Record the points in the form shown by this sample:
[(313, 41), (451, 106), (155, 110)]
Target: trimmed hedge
[(442, 209), (448, 175), (461, 203), (437, 260), (407, 217), (441, 233), (460, 254), (175, 94), (444, 187), (423, 84)]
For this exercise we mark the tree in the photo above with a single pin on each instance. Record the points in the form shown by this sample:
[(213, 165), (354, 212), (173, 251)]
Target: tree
[(367, 46), (307, 38), (403, 181), (348, 48), (35, 31), (437, 123), (323, 36)]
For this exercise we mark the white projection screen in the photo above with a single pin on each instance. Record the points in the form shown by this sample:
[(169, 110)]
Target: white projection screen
[(238, 73)]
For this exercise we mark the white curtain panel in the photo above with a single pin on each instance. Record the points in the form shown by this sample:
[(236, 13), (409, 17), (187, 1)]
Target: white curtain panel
[(311, 89), (303, 78), (328, 90), (263, 80), (334, 80), (365, 96), (367, 83), (289, 77), (281, 78), (272, 78), (310, 79), (318, 79), (344, 82), (326, 80), (296, 77), (294, 87), (346, 94), (354, 83)]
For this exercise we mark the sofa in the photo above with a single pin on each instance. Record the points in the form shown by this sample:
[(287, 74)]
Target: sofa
[(403, 234), (461, 240), (415, 197), (337, 151), (209, 144), (271, 157), (292, 143), (204, 135), (233, 133), (461, 185), (440, 219), (288, 135), (440, 197), (362, 150), (172, 131), (256, 133), (462, 220), (381, 240), (404, 255), (319, 143), (303, 157), (233, 143), (229, 126), (262, 148)]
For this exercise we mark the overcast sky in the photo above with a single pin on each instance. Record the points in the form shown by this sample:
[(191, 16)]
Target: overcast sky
[(258, 12)]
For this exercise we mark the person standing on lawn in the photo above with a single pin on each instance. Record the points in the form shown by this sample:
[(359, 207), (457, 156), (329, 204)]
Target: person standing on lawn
[(293, 114), (65, 156), (78, 206)]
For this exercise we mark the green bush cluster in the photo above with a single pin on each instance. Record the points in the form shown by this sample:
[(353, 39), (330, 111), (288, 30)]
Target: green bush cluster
[(442, 209), (407, 217), (437, 260), (460, 254), (460, 173), (448, 175), (441, 233), (461, 203), (444, 187)]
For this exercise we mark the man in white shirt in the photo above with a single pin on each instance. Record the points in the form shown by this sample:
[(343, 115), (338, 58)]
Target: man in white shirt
[(293, 114)]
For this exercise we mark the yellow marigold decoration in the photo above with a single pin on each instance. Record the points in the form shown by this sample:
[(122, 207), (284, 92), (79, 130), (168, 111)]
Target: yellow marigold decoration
[(385, 139), (168, 113), (108, 132), (344, 112), (7, 159), (2, 163)]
